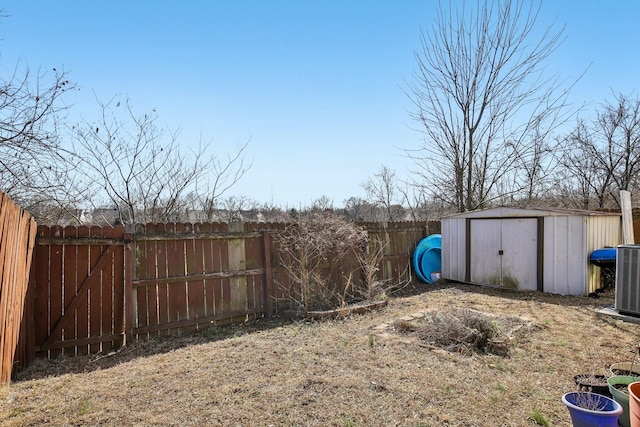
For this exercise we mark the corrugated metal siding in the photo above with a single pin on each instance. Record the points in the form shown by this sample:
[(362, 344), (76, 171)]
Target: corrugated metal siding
[(564, 257), (569, 240), (453, 249), (601, 232)]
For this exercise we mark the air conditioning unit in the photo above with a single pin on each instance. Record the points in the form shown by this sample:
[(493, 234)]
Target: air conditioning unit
[(628, 279)]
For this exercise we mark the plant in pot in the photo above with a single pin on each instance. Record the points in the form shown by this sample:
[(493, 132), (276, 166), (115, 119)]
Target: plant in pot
[(618, 386), (631, 369), (588, 409), (622, 375), (594, 383)]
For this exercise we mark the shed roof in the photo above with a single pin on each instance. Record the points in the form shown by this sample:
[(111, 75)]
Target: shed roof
[(502, 212)]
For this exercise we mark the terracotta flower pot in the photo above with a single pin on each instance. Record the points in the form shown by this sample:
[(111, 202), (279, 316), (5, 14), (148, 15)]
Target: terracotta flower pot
[(634, 404)]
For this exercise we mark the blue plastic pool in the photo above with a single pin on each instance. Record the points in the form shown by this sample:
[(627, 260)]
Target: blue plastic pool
[(427, 258)]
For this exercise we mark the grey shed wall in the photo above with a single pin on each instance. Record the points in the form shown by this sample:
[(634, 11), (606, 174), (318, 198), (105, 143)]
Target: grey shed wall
[(542, 250)]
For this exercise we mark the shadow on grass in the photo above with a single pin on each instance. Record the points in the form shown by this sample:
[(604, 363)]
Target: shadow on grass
[(603, 300), (42, 368)]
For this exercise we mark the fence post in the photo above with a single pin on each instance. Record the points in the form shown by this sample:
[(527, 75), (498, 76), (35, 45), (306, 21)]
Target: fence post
[(387, 267), (268, 278), (128, 312)]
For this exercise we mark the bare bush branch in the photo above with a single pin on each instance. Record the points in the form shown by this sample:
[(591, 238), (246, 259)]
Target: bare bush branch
[(371, 288), (308, 248), (143, 171)]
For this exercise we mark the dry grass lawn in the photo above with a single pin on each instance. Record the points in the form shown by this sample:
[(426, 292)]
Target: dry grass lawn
[(364, 370)]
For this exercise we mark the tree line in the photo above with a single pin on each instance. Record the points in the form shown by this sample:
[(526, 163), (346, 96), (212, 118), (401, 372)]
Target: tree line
[(495, 129)]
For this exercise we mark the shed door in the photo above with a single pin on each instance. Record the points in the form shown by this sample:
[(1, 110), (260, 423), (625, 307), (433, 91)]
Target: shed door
[(504, 252)]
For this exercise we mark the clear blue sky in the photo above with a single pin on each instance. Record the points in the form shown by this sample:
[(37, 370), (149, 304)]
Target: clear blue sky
[(316, 85)]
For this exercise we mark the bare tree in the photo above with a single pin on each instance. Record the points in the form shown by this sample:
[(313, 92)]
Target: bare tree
[(578, 183), (536, 164), (224, 175), (232, 208), (358, 209), (33, 164), (414, 197), (321, 204), (269, 212), (602, 157), (483, 103), (141, 170), (382, 189)]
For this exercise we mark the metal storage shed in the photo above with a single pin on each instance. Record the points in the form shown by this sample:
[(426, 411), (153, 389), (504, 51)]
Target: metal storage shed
[(530, 249)]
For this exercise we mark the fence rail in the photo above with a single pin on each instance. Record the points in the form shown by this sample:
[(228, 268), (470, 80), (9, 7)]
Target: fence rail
[(94, 288), (78, 283)]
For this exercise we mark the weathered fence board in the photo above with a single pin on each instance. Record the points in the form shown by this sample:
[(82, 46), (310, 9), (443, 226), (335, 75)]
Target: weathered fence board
[(94, 287), (79, 286), (17, 237), (200, 276), (398, 242)]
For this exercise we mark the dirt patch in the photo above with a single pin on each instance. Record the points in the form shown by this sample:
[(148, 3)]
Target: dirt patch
[(461, 330), (357, 371)]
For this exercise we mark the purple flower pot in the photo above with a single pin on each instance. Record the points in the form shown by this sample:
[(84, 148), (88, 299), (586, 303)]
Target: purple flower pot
[(591, 409)]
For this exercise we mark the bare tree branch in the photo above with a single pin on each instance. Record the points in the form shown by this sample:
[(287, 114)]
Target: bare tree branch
[(381, 189), (143, 171), (484, 103), (602, 156), (33, 164)]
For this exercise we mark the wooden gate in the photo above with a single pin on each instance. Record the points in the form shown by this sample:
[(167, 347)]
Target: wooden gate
[(80, 284)]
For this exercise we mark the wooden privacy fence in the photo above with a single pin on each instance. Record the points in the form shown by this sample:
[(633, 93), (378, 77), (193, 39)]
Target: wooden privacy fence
[(17, 237), (94, 288), (197, 275), (78, 280)]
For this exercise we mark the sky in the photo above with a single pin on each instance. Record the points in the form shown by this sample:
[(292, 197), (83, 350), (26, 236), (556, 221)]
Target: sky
[(317, 88)]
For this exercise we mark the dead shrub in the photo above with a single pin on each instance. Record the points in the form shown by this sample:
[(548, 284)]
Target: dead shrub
[(463, 331), (370, 257), (313, 251)]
